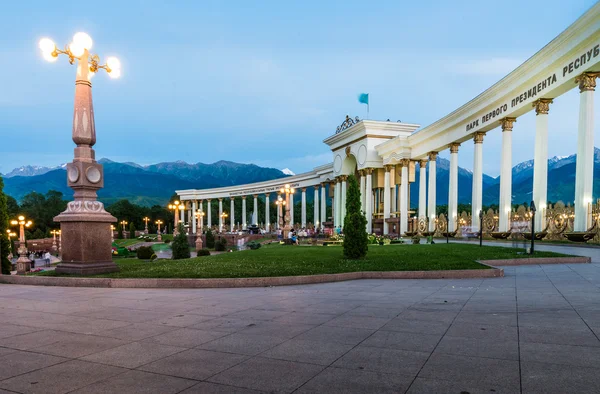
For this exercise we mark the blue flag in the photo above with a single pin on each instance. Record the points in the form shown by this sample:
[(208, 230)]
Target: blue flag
[(363, 98)]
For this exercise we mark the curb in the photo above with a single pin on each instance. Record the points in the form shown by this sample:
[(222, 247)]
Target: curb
[(246, 282), (538, 260)]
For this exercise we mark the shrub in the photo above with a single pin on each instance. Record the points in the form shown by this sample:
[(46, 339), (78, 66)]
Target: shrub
[(253, 245), (153, 257), (220, 245), (131, 231), (210, 239), (5, 244), (203, 252), (355, 234), (416, 239), (123, 252), (167, 241), (119, 231), (144, 252), (180, 246)]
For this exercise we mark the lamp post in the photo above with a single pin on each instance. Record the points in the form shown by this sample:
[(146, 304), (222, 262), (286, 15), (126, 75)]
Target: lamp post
[(532, 210), (23, 262), (175, 207), (481, 227), (287, 190), (112, 233), (280, 216), (85, 220), (146, 219), (158, 223), (123, 223), (200, 220), (223, 216), (54, 232), (10, 234)]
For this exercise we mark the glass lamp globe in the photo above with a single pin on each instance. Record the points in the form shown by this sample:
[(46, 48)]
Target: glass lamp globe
[(113, 63), (83, 40), (115, 73), (47, 45), (76, 49)]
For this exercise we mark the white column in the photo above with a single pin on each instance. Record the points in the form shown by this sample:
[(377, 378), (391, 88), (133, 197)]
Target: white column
[(422, 188), (477, 180), (394, 194), (431, 202), (337, 199), (540, 161), (386, 198), (404, 196), (369, 198), (201, 217), (220, 215), (267, 213), (255, 213), (506, 174), (291, 205), (343, 200), (190, 217), (362, 191), (323, 205), (453, 187), (194, 217), (244, 224), (232, 214), (584, 169), (208, 215), (316, 221), (181, 215), (303, 209)]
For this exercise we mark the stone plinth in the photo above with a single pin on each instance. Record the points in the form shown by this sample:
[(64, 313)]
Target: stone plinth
[(86, 239)]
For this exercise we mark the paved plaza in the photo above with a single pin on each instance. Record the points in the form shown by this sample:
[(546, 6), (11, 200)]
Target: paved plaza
[(534, 331)]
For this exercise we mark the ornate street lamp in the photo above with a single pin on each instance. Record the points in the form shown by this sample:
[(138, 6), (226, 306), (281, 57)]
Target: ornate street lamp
[(23, 262), (85, 221), (176, 207), (158, 223), (146, 219), (532, 210), (200, 220), (223, 216), (287, 190), (112, 233), (280, 202), (10, 234), (54, 232)]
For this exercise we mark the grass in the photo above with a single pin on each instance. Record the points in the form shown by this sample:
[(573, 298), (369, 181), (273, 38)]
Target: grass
[(278, 260), (124, 243)]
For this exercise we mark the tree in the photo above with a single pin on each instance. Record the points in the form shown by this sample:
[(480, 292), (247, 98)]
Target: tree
[(210, 239), (131, 231), (119, 231), (355, 234), (180, 246), (5, 264)]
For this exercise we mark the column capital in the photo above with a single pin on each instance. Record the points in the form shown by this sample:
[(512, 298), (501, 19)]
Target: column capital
[(422, 163), (507, 123), (432, 155), (220, 199), (208, 199), (255, 195), (361, 172), (267, 195), (316, 187), (343, 178), (587, 81), (368, 170), (478, 137), (243, 197), (542, 106), (324, 184), (388, 167), (454, 147), (404, 163), (303, 190)]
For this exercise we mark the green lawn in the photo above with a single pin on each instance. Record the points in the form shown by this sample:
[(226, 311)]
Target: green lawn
[(280, 260), (124, 243)]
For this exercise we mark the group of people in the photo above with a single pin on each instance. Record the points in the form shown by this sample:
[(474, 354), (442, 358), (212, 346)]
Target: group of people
[(40, 255)]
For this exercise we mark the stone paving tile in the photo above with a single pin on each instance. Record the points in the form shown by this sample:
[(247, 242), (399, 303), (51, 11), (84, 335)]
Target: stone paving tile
[(137, 382), (195, 364), (124, 314), (225, 324), (498, 374), (346, 381), (403, 341), (559, 336), (369, 323), (439, 386), (403, 362), (483, 331), (276, 329), (136, 331), (243, 344), (134, 354), (500, 318), (5, 350), (60, 378), (547, 378), (10, 330), (257, 314), (561, 354), (19, 362), (277, 376), (344, 335), (416, 326), (479, 347), (185, 337), (214, 388), (181, 319), (323, 353), (303, 318), (79, 345), (34, 339)]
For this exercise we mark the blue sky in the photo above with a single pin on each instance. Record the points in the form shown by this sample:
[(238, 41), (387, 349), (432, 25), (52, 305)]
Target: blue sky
[(266, 81)]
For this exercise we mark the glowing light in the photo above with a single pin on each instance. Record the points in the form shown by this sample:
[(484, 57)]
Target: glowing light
[(48, 57), (83, 40), (76, 49), (114, 74), (47, 45), (113, 63)]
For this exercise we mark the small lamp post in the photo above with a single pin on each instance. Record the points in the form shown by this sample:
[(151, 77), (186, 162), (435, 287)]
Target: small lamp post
[(158, 223), (10, 234), (112, 233), (200, 221), (287, 190), (223, 216), (532, 209), (23, 262), (123, 224), (176, 207), (481, 227), (146, 219), (54, 247), (280, 219)]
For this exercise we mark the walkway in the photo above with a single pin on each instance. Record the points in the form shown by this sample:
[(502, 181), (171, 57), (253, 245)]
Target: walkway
[(534, 331)]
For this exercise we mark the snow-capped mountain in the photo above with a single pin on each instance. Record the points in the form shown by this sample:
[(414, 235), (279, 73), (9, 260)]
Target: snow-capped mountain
[(31, 171), (287, 171)]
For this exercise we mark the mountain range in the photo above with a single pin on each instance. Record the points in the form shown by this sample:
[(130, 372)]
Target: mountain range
[(156, 183)]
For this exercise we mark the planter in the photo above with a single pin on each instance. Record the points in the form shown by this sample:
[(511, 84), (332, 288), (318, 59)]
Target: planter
[(579, 236), (450, 235), (538, 236), (501, 234)]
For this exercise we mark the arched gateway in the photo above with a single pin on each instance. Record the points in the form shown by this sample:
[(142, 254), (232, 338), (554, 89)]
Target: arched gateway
[(384, 155)]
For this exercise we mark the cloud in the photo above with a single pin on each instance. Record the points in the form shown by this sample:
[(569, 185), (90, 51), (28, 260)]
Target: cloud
[(496, 66)]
